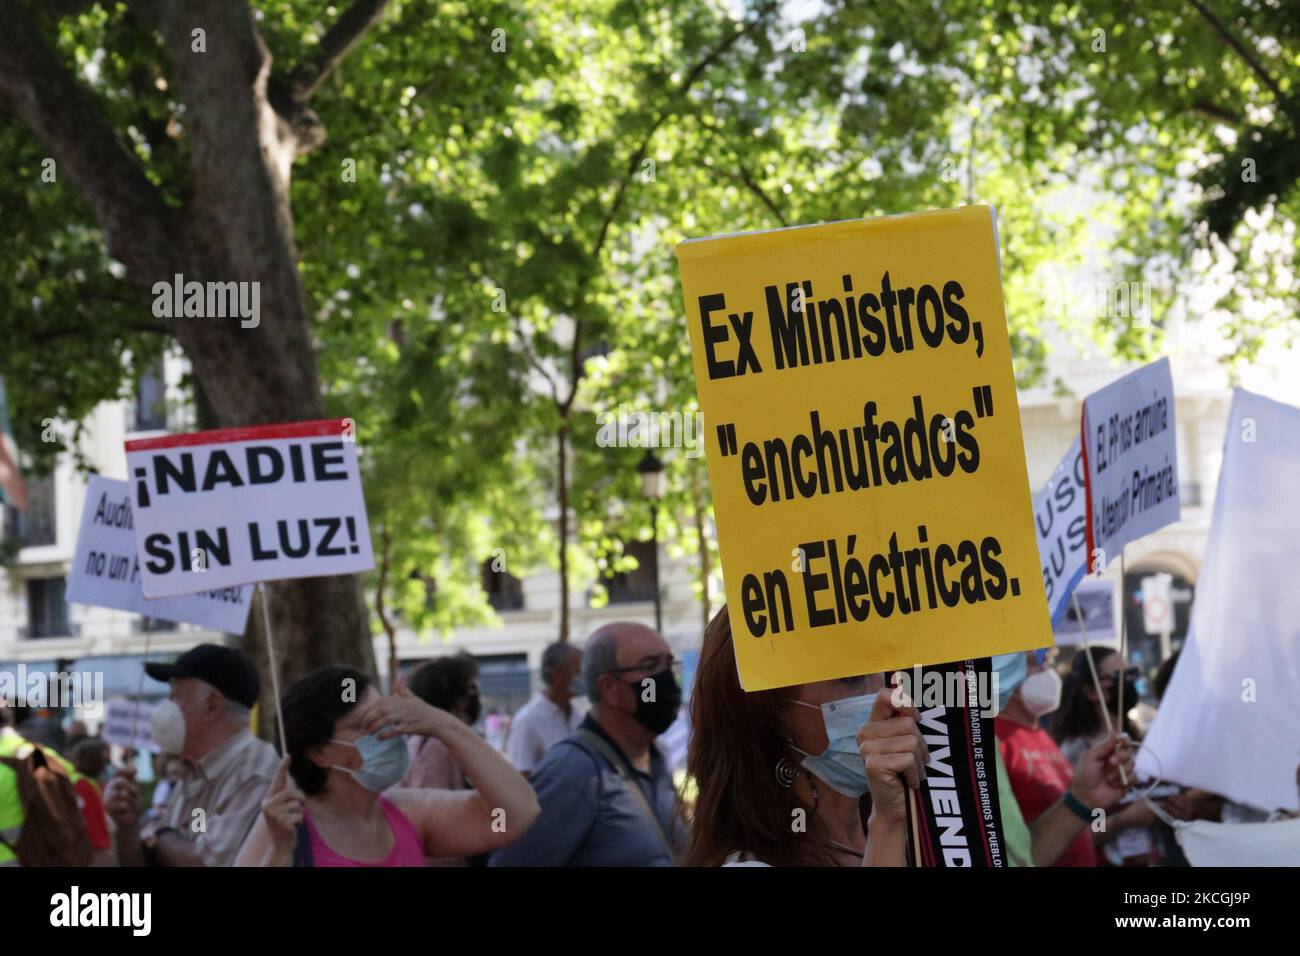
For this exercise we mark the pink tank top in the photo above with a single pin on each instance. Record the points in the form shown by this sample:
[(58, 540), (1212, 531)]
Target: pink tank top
[(408, 848)]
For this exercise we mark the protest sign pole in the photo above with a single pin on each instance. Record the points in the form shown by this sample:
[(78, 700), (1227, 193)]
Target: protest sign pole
[(139, 691), (1141, 403), (1092, 668), (271, 664), (913, 808), (1123, 642)]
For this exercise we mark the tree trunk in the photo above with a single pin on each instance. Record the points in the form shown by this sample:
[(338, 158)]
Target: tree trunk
[(314, 622), (239, 227), (381, 611), (236, 226), (562, 488)]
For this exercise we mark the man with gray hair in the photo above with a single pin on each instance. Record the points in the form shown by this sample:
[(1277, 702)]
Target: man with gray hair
[(606, 791), (205, 722), (550, 716)]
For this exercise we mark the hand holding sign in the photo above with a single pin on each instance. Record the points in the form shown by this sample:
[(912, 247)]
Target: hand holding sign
[(895, 754), (283, 804), (1103, 773), (868, 478), (122, 800)]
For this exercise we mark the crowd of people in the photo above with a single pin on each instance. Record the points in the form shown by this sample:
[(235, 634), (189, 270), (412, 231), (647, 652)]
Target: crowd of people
[(809, 775)]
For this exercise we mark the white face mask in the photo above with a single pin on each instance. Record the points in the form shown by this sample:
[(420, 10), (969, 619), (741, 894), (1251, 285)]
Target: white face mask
[(167, 724), (1041, 692)]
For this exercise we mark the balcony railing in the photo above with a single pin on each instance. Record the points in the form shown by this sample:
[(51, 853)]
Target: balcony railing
[(47, 608), (37, 525)]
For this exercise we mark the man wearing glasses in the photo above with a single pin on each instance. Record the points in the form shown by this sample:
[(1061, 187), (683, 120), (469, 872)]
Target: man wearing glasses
[(606, 791)]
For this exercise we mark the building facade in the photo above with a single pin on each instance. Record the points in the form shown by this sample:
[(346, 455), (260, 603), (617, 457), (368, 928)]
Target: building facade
[(39, 628)]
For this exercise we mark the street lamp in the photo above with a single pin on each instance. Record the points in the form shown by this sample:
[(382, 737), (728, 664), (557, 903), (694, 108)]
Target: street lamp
[(653, 484)]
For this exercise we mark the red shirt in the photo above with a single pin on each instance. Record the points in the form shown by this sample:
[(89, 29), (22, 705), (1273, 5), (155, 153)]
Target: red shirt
[(92, 808), (1040, 775)]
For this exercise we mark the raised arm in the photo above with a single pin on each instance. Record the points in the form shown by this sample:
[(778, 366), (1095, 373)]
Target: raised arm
[(462, 823), (1098, 784)]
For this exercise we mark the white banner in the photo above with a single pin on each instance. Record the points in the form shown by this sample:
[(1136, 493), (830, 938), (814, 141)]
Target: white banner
[(1061, 523), (1241, 844), (106, 569), (120, 717), (242, 505), (1230, 718), (1131, 458)]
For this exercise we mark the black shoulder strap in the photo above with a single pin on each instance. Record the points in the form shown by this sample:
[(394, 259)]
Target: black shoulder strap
[(302, 847), (599, 743)]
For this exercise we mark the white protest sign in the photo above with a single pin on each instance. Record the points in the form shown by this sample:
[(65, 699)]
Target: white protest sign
[(1131, 457), (1230, 718), (1061, 523), (106, 569), (1157, 603), (121, 718), (1096, 602), (242, 505)]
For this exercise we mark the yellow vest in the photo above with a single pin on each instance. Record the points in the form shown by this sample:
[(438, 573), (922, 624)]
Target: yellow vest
[(11, 807)]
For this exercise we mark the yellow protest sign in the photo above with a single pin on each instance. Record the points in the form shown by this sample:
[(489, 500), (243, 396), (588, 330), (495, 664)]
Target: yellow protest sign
[(864, 448)]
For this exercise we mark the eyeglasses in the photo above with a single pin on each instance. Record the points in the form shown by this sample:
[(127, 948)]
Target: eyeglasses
[(653, 664), (1131, 672)]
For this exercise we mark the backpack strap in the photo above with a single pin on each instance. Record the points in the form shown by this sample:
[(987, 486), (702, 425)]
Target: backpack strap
[(54, 794), (598, 743)]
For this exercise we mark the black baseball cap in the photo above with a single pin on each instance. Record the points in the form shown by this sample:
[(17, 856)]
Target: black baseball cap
[(226, 670)]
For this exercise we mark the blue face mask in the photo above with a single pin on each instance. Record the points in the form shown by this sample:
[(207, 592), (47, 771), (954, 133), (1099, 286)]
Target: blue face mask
[(383, 762), (1011, 671), (841, 765)]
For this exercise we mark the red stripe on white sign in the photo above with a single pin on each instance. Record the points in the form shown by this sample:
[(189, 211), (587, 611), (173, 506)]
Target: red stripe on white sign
[(224, 436)]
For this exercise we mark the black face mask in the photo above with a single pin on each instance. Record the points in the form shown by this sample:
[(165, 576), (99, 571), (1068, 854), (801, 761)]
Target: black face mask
[(1130, 693), (657, 715)]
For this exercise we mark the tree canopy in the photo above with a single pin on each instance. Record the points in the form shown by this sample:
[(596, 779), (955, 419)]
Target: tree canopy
[(479, 202)]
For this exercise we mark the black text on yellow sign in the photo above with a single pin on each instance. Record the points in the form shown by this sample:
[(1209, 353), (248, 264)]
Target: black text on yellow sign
[(864, 446)]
